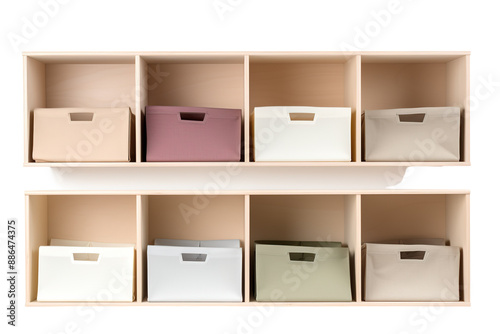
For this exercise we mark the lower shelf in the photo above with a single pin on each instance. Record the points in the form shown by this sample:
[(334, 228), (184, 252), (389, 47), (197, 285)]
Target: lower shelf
[(250, 164), (350, 217), (253, 304)]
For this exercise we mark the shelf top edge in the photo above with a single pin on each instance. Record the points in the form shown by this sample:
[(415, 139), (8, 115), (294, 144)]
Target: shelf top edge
[(253, 192), (241, 53), (239, 57), (409, 53)]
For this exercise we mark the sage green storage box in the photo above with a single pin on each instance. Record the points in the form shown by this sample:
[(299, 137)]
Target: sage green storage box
[(307, 271)]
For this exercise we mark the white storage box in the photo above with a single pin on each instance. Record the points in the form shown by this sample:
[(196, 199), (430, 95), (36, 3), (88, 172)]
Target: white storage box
[(195, 271), (86, 273), (413, 134), (411, 272), (302, 134)]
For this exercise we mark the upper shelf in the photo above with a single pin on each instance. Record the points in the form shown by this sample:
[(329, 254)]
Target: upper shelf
[(245, 80)]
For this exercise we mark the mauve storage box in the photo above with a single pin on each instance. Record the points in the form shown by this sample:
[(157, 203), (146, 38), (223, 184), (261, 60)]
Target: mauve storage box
[(193, 134)]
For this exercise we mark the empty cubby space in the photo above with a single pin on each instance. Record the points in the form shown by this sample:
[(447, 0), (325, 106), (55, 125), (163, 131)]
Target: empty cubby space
[(406, 218), (83, 81), (194, 81), (303, 218), (412, 81), (190, 217), (95, 218)]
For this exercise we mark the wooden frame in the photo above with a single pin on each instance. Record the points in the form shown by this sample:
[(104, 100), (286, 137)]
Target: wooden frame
[(350, 216), (244, 80)]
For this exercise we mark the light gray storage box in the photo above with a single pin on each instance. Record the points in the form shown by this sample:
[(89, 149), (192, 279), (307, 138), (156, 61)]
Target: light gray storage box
[(395, 272), (412, 134)]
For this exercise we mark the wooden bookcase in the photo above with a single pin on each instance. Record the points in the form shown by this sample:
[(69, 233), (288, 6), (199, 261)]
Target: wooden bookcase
[(352, 217), (244, 80)]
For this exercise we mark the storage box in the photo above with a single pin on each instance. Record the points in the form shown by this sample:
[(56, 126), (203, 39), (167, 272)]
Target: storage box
[(86, 273), (195, 271), (302, 271), (411, 272), (302, 134), (413, 134), (81, 134), (193, 134)]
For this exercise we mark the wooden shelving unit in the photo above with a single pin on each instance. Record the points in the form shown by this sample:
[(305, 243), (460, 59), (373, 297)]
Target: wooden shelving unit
[(244, 80), (352, 217)]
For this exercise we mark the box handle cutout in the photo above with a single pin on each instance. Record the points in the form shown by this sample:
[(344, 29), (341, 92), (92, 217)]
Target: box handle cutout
[(81, 116), (412, 255), (89, 257), (303, 257), (191, 257), (412, 118), (193, 116), (301, 116)]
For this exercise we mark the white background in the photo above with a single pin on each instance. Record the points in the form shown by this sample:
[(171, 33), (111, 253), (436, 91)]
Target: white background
[(260, 25)]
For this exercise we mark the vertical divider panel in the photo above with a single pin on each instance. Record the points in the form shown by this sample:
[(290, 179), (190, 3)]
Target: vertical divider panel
[(142, 246), (358, 109), (466, 128), (457, 94), (141, 86), (457, 231), (352, 99), (138, 109), (246, 111), (36, 236), (246, 260), (34, 97), (352, 237)]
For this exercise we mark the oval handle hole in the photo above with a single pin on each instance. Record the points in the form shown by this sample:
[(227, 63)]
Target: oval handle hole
[(303, 257), (412, 255), (412, 118), (81, 116), (191, 257), (91, 257), (193, 116), (301, 116)]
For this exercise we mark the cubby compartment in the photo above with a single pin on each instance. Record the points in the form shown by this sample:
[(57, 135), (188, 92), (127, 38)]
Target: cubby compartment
[(96, 218), (78, 81), (413, 80), (212, 81), (393, 218), (189, 217), (304, 218), (312, 80)]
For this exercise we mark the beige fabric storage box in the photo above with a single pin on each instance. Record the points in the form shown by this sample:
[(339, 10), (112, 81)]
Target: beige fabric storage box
[(411, 272), (302, 271), (412, 134), (81, 134)]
